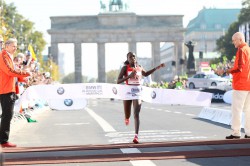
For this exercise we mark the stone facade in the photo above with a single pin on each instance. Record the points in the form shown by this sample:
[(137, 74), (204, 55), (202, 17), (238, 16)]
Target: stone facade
[(113, 28)]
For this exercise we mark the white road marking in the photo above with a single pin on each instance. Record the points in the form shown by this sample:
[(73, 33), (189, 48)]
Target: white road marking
[(70, 124), (121, 137), (176, 112), (104, 124), (130, 150), (142, 162), (190, 114), (153, 136), (137, 162)]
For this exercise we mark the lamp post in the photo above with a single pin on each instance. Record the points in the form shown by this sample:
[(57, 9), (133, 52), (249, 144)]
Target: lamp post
[(22, 46), (13, 25), (13, 20)]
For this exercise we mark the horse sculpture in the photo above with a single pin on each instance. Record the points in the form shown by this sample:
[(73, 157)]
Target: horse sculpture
[(114, 5), (102, 5)]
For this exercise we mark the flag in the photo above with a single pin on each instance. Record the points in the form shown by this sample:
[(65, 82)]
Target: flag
[(30, 48)]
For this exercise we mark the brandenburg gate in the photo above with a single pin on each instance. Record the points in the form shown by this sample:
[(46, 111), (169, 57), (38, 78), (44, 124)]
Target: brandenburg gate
[(117, 27)]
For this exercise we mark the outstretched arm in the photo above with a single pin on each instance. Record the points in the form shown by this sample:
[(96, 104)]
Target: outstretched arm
[(145, 74)]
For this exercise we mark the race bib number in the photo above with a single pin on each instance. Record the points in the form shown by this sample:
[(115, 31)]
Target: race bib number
[(136, 80)]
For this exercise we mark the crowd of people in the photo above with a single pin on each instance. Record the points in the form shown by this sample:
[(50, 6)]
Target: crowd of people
[(176, 83), (17, 72)]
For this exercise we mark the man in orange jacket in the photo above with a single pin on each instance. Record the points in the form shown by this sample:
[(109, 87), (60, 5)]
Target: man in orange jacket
[(241, 87), (8, 78)]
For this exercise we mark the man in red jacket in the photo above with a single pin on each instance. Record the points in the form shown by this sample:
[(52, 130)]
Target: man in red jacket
[(8, 78), (241, 87)]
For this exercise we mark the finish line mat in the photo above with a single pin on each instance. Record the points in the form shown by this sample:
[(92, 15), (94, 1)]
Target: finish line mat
[(126, 152)]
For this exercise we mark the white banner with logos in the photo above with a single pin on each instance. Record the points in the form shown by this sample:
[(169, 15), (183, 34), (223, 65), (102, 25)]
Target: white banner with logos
[(223, 116), (228, 97), (73, 96)]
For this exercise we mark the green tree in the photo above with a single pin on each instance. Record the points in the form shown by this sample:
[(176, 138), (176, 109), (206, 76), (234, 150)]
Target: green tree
[(245, 11), (92, 80), (112, 76), (70, 78), (16, 26), (224, 44)]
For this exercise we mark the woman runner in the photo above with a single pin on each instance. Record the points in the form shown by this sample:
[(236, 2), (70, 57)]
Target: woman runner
[(132, 74)]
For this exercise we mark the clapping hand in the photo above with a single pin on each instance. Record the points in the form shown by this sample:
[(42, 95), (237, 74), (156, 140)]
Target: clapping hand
[(132, 74)]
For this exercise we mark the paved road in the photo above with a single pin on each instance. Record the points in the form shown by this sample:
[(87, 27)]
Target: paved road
[(101, 123)]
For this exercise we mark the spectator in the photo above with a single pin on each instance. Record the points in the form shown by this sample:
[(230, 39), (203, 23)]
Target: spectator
[(241, 87), (8, 75)]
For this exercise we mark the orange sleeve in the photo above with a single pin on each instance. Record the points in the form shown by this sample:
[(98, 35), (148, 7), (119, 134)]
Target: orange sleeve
[(7, 67), (239, 63), (21, 79)]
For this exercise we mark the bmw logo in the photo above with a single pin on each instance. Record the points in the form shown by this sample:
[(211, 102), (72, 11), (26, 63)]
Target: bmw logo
[(60, 91), (68, 102), (114, 90), (153, 95)]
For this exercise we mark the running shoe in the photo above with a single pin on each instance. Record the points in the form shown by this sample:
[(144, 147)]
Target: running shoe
[(136, 140), (126, 122), (8, 145)]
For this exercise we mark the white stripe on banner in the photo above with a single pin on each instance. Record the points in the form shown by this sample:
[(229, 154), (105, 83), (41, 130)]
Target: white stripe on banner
[(67, 93)]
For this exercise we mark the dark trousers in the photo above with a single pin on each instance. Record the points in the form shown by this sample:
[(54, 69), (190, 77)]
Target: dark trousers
[(7, 102)]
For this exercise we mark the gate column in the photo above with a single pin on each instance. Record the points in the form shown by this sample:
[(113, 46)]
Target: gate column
[(101, 63), (54, 52), (78, 62), (156, 60), (178, 56)]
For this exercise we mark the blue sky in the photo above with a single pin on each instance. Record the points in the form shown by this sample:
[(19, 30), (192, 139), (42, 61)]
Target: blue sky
[(40, 11)]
